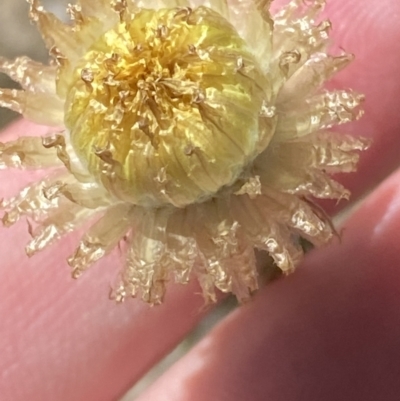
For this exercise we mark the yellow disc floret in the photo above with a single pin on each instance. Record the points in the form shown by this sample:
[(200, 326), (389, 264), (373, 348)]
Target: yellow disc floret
[(165, 107)]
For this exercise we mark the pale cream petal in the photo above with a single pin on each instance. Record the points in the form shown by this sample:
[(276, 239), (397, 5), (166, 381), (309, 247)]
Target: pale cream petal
[(310, 77), (101, 238), (145, 274), (327, 151), (55, 33), (30, 202), (182, 249), (295, 27), (299, 181), (89, 195), (27, 152), (60, 143), (317, 184), (220, 6), (227, 255), (97, 8), (32, 76), (66, 218), (297, 214), (70, 42), (300, 166), (318, 113), (296, 37), (267, 232), (40, 108), (256, 29)]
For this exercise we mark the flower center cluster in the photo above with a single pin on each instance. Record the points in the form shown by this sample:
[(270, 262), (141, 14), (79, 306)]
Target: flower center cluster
[(164, 108)]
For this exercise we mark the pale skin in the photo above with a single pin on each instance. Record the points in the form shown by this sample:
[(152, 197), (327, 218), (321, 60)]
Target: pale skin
[(330, 332)]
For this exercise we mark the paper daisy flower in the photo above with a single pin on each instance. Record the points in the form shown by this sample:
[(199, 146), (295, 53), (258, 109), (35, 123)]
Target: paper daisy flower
[(187, 133)]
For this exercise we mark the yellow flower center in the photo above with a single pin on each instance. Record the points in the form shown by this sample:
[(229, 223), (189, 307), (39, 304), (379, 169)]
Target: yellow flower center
[(165, 107)]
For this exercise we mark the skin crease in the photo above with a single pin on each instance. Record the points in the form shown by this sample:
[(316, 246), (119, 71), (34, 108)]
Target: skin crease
[(331, 331)]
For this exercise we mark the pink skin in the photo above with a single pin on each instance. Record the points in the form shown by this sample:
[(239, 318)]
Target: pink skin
[(329, 332)]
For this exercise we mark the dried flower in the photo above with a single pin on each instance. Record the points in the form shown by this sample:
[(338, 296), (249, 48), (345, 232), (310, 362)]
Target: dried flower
[(191, 133)]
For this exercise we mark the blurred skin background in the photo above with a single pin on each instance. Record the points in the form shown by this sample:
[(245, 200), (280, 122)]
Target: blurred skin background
[(18, 37)]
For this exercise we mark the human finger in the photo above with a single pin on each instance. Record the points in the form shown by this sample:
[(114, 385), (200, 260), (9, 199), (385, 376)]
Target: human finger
[(329, 332)]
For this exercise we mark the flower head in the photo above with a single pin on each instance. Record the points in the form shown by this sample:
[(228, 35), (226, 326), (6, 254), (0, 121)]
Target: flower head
[(187, 132)]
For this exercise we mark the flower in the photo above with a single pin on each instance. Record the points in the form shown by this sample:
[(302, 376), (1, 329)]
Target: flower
[(188, 133)]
